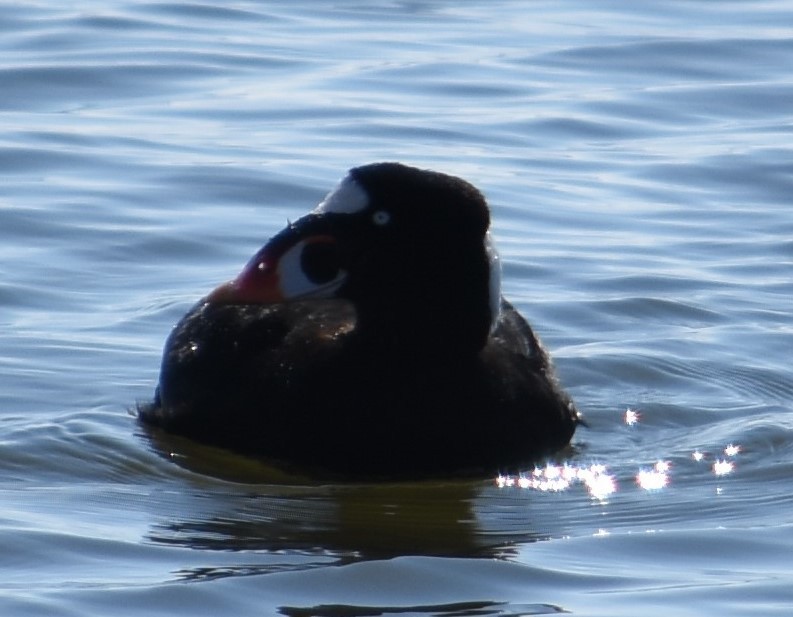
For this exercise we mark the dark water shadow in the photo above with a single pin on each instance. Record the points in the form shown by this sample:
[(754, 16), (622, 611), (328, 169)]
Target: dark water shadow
[(235, 503), (456, 609)]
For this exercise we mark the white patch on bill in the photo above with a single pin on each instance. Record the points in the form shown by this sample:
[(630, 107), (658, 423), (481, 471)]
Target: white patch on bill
[(347, 198), (294, 282), (494, 260)]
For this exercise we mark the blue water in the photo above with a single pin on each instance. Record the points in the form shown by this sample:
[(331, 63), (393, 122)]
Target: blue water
[(637, 159)]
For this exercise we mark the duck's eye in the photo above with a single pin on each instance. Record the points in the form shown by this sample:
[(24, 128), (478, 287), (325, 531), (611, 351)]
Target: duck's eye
[(381, 217), (319, 262)]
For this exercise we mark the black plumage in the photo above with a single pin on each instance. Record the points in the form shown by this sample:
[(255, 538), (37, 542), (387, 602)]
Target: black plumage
[(368, 339)]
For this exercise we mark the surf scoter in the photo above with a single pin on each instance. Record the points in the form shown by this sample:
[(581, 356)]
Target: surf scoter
[(368, 338)]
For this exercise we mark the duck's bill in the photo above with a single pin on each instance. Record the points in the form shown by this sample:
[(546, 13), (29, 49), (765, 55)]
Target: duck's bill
[(292, 266)]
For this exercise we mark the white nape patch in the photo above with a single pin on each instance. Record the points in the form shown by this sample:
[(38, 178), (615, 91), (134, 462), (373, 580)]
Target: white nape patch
[(347, 198), (494, 260)]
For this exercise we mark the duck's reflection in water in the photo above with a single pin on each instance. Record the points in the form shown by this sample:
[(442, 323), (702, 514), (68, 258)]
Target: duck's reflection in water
[(233, 503)]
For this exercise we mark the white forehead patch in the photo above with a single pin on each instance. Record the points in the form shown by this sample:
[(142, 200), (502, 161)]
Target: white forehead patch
[(494, 260), (347, 198)]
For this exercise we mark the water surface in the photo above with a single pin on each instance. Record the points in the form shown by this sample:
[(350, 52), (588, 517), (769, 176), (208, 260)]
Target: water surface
[(638, 165)]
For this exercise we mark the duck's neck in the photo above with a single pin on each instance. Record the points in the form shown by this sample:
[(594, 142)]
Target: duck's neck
[(440, 330), (449, 310)]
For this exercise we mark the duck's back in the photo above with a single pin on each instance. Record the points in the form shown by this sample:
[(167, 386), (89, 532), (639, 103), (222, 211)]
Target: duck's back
[(293, 382)]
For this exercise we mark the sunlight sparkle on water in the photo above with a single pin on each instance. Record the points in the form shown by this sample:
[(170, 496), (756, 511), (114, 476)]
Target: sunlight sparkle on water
[(555, 478), (655, 478), (632, 416), (722, 467), (599, 483), (732, 450)]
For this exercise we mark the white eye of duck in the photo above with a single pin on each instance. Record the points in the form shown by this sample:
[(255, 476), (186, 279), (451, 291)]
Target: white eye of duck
[(381, 217)]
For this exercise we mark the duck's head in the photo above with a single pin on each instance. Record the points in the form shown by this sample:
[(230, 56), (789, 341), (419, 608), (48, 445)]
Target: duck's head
[(408, 247)]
